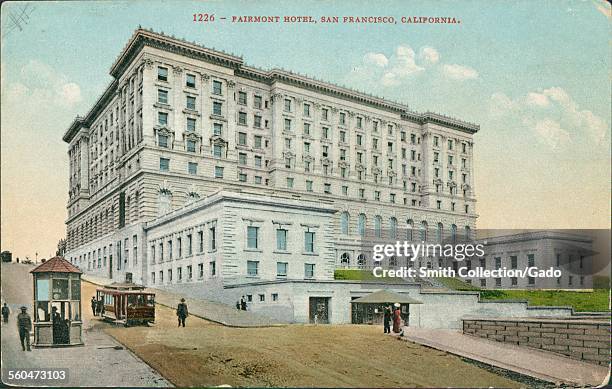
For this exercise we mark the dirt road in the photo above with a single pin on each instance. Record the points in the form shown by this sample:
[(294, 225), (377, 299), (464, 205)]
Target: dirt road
[(206, 354)]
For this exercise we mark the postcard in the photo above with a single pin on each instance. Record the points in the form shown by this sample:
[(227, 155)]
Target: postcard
[(328, 194)]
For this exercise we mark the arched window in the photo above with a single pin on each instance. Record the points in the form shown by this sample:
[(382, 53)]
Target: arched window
[(467, 232), (361, 225), (409, 227), (393, 228), (393, 261), (453, 233), (439, 233), (345, 260), (378, 226), (344, 223), (424, 231), (361, 261)]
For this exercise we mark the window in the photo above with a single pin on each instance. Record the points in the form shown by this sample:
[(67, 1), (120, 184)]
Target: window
[(217, 90), (497, 262), (393, 228), (344, 223), (217, 151), (169, 275), (162, 96), (378, 226), (162, 140), (274, 296), (201, 241), (242, 158), (513, 262), (257, 161), (164, 164), (191, 146), (242, 138), (345, 190), (281, 269), (218, 172), (189, 244), (289, 182), (324, 113), (257, 141), (309, 240), (242, 98), (530, 260), (531, 280), (450, 144), (242, 118), (308, 186), (190, 81), (191, 102), (242, 177), (483, 282), (327, 188), (200, 270), (257, 121), (514, 281), (498, 282), (162, 74), (217, 128), (162, 118), (287, 124), (252, 233), (288, 105), (309, 270), (483, 263), (342, 118), (307, 110), (217, 106), (213, 268), (361, 225), (258, 179), (213, 238), (257, 102), (192, 168), (281, 239), (252, 268)]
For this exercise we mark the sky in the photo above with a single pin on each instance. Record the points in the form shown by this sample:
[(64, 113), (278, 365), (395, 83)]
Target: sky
[(533, 75)]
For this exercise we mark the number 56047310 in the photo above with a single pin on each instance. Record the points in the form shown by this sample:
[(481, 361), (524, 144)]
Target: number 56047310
[(203, 17)]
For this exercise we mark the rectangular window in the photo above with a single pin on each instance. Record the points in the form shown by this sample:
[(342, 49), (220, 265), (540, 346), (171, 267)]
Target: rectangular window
[(191, 125), (324, 113), (257, 102), (289, 182), (191, 146), (192, 168), (190, 81), (287, 124), (218, 172), (242, 98), (530, 260), (281, 239), (242, 138), (288, 105), (308, 186), (242, 118), (189, 272), (191, 103), (257, 141), (307, 110), (252, 268), (257, 161), (162, 96), (217, 151), (281, 269), (162, 141), (213, 268), (309, 241), (252, 237), (257, 121), (217, 106), (514, 281), (217, 129), (309, 270), (217, 88), (162, 74), (162, 118), (200, 270), (164, 164), (213, 238), (274, 296), (513, 262), (201, 241), (242, 177), (242, 158)]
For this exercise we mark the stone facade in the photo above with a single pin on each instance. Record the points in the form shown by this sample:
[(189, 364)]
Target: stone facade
[(586, 340), (179, 121)]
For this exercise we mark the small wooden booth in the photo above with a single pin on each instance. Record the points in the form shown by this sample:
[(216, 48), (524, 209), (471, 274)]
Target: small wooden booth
[(127, 303), (369, 309), (57, 304)]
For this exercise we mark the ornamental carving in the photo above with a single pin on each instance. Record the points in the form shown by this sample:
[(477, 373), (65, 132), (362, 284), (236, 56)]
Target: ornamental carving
[(307, 158), (465, 187), (359, 167), (391, 173), (164, 130), (191, 136), (217, 140), (451, 184), (276, 96), (148, 62), (205, 77), (177, 69), (325, 161), (231, 84), (334, 109), (288, 154), (376, 170), (343, 164)]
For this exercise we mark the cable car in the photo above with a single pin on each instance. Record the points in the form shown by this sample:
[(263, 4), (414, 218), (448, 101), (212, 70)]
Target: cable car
[(127, 303)]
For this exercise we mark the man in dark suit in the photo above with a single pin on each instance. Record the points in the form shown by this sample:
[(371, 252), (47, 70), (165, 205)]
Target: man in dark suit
[(181, 312)]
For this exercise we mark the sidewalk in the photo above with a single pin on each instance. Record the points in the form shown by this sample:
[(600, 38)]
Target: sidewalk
[(208, 310), (535, 363)]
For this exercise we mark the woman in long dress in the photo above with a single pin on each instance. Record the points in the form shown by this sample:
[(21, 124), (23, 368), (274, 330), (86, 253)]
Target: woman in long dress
[(397, 320)]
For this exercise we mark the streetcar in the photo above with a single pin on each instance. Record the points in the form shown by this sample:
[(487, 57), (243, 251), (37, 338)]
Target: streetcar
[(127, 304)]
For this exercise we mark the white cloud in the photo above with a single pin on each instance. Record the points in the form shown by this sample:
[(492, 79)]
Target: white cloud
[(537, 99), (543, 111), (552, 134), (375, 59), (459, 72), (429, 55), (403, 65), (41, 84)]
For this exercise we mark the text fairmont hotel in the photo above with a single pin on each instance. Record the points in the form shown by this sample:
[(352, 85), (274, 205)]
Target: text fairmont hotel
[(198, 173)]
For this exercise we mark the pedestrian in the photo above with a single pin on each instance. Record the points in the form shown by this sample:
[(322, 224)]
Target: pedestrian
[(387, 319), (5, 313), (100, 306), (181, 312), (238, 304), (93, 305), (397, 319), (243, 304), (24, 324)]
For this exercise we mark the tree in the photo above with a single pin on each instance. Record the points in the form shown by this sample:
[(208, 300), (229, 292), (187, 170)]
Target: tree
[(61, 248)]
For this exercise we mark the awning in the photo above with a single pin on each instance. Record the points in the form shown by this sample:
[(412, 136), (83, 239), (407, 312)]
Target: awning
[(386, 296)]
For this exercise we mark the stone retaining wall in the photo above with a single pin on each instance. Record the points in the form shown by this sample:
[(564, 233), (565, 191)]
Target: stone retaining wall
[(587, 340)]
